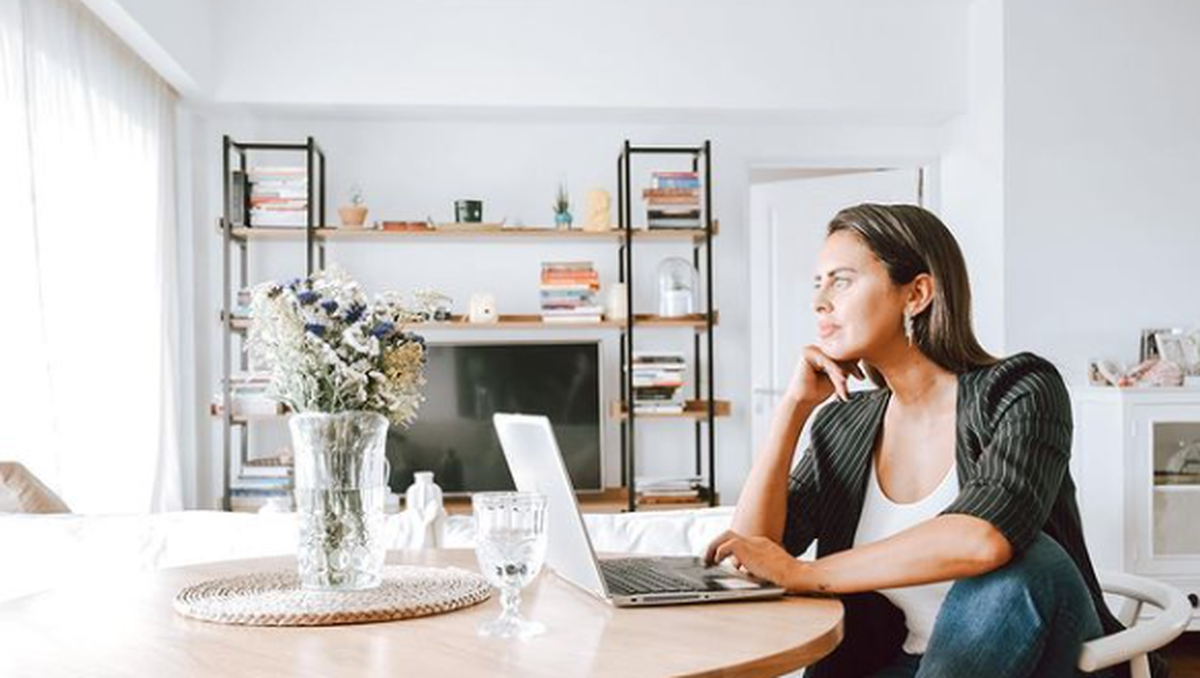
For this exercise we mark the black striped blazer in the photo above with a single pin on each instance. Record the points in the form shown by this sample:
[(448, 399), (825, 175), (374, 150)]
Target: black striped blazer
[(1012, 449)]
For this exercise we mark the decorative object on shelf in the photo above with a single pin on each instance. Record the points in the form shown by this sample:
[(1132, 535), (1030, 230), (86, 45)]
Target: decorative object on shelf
[(1154, 372), (346, 365), (425, 512), (676, 288), (599, 211), (616, 306), (482, 309), (562, 208), (1181, 347), (468, 211), (434, 305), (1148, 348), (353, 215), (1185, 461), (510, 544)]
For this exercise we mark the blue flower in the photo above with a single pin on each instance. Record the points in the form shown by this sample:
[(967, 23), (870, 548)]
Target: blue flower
[(315, 329), (355, 312), (330, 306), (383, 329), (307, 297)]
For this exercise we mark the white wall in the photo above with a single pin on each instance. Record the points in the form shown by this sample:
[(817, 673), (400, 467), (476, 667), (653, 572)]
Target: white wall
[(876, 59), (174, 36), (972, 199), (424, 102), (411, 169), (1101, 174)]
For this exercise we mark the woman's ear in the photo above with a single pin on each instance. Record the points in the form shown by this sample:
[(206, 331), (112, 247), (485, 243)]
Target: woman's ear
[(920, 294)]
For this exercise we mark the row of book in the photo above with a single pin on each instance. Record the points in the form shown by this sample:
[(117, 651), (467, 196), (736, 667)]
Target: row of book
[(669, 489), (279, 197), (673, 201), (657, 381), (569, 292), (248, 396)]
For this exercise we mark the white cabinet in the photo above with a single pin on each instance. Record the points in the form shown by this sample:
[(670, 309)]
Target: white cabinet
[(1136, 460)]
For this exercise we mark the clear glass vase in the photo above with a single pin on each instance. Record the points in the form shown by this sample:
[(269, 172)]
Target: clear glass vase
[(340, 492)]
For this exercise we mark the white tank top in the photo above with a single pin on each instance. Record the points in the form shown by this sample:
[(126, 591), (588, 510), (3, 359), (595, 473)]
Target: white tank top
[(881, 518)]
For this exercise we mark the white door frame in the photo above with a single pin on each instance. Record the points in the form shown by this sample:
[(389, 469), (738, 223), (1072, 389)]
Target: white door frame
[(763, 390)]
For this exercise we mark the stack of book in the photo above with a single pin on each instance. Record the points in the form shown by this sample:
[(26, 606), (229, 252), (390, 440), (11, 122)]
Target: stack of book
[(249, 395), (569, 292), (658, 382), (256, 492), (241, 306), (279, 197), (673, 200), (669, 490)]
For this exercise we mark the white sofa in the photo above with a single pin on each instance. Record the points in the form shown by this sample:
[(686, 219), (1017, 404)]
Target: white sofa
[(42, 551)]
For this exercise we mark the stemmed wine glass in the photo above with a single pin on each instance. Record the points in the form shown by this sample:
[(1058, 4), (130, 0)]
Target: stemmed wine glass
[(510, 544)]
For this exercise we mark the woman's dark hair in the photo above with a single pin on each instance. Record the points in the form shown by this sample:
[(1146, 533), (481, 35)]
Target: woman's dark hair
[(908, 241)]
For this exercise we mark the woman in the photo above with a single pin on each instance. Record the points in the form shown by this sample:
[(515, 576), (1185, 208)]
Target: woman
[(941, 503)]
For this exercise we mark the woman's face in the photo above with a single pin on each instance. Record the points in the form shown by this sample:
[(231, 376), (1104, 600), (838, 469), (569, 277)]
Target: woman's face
[(859, 310)]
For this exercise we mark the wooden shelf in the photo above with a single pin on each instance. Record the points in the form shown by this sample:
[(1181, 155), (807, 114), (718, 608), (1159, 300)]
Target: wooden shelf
[(243, 419), (692, 409), (611, 500), (328, 234), (268, 233), (695, 321)]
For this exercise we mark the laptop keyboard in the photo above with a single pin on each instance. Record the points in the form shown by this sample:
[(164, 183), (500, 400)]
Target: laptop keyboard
[(629, 576)]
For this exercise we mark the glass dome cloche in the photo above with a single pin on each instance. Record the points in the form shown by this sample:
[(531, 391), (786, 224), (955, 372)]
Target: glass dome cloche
[(676, 288)]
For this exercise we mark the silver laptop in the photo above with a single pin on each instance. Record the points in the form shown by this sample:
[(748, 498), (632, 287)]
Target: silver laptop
[(537, 465)]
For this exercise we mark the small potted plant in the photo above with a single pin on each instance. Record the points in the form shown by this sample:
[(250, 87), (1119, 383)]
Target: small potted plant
[(353, 215), (562, 208)]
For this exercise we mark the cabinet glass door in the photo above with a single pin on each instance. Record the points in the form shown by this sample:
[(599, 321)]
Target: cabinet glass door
[(1175, 450)]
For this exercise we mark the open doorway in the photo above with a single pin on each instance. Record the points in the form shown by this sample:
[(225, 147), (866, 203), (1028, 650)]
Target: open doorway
[(789, 211)]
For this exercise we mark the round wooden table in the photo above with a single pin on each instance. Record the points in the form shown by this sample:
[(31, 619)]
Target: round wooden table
[(128, 628)]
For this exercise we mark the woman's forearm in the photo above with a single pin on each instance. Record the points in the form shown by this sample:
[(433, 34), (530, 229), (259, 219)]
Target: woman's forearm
[(944, 548), (762, 508)]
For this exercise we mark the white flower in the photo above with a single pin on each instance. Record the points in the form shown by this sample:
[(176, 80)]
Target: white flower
[(329, 349)]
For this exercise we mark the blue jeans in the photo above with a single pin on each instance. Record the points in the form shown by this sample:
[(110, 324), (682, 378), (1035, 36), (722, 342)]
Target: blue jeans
[(1028, 618)]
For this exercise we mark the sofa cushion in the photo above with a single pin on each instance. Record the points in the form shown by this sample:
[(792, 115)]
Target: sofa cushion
[(22, 492)]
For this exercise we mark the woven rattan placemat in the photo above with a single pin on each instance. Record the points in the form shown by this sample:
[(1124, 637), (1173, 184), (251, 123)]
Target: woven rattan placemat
[(276, 599)]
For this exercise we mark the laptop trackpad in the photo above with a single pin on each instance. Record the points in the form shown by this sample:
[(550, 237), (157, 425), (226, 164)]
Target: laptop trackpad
[(734, 584)]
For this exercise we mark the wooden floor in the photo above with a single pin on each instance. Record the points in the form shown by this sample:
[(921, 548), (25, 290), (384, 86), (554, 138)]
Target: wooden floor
[(1184, 656)]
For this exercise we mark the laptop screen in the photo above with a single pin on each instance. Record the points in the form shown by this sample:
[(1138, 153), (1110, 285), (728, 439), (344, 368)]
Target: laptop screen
[(537, 466)]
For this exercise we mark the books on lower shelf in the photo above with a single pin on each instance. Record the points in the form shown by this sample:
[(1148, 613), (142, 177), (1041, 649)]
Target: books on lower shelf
[(673, 201), (657, 381), (248, 393), (568, 292), (669, 489), (278, 197)]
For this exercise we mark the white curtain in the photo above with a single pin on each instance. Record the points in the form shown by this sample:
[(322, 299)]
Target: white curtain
[(88, 396)]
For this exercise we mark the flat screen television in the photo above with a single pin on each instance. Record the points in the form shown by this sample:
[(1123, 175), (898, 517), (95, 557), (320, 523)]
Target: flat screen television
[(467, 383)]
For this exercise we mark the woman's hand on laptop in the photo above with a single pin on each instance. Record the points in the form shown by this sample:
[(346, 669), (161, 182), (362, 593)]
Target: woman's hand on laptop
[(761, 558)]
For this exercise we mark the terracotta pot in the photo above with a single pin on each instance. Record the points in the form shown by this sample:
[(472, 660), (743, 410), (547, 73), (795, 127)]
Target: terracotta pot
[(352, 216)]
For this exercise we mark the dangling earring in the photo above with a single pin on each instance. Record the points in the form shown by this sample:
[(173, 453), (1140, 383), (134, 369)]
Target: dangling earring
[(908, 326)]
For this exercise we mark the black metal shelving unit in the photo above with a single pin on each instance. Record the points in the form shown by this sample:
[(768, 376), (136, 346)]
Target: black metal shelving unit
[(236, 234), (701, 159)]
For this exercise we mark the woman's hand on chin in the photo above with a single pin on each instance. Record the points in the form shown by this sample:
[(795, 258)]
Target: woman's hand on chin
[(764, 559), (817, 376)]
